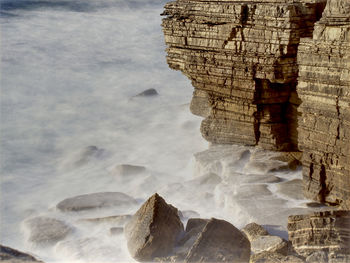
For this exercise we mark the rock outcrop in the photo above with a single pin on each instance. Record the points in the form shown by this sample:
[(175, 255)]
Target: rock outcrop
[(321, 231), (274, 74), (324, 122)]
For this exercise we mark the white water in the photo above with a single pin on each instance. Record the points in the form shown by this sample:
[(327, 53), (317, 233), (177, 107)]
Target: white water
[(69, 69)]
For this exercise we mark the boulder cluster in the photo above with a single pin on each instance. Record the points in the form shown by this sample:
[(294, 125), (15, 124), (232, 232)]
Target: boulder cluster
[(156, 234)]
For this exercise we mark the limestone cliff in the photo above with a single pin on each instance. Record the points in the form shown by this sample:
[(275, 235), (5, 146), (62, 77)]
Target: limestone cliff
[(271, 73)]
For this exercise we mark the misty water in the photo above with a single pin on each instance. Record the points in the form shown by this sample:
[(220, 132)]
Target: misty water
[(70, 71)]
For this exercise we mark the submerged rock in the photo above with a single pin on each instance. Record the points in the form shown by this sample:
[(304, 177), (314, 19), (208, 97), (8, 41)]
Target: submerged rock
[(128, 169), (116, 230), (147, 93), (10, 255), (119, 220), (46, 231), (293, 189), (95, 200), (153, 230)]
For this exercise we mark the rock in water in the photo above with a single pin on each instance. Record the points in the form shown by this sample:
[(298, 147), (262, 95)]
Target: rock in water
[(153, 230), (147, 93), (128, 169), (219, 241), (95, 200), (46, 231), (10, 255)]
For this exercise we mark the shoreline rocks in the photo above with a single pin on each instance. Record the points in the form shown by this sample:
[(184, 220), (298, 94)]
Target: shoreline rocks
[(10, 255)]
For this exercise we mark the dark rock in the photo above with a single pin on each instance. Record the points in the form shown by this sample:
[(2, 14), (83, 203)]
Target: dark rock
[(152, 232), (46, 231), (10, 255), (219, 241), (95, 200), (253, 230), (147, 93), (116, 230), (188, 214)]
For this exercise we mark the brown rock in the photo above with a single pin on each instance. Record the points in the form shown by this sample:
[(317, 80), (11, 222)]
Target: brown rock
[(219, 241), (321, 231), (153, 230), (273, 257), (253, 230)]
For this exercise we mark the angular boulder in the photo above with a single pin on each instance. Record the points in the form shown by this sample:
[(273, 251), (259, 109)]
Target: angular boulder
[(219, 241), (152, 232)]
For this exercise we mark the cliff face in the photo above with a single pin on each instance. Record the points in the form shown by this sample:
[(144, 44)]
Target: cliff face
[(324, 122), (244, 58)]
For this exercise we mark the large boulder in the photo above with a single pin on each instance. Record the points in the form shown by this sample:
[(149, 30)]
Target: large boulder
[(152, 232), (219, 241), (10, 255), (46, 231), (95, 200)]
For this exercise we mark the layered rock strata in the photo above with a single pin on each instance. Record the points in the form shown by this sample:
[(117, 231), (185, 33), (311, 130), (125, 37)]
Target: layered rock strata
[(324, 122), (271, 73), (241, 59), (321, 231)]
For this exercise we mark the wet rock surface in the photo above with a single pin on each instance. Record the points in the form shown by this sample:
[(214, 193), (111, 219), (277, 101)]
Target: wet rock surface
[(125, 170), (95, 200), (253, 231), (44, 231)]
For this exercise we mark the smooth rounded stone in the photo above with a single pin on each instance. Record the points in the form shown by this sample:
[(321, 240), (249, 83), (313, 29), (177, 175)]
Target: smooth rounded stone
[(293, 189), (95, 200), (119, 220), (10, 255), (46, 230), (269, 243), (116, 231), (317, 257), (273, 257), (254, 230), (147, 93), (153, 230), (128, 169), (219, 241)]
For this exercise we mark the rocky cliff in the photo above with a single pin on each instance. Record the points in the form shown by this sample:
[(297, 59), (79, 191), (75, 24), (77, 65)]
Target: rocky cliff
[(271, 73)]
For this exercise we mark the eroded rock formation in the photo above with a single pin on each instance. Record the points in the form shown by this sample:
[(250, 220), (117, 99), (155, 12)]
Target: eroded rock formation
[(324, 122), (321, 231), (244, 59)]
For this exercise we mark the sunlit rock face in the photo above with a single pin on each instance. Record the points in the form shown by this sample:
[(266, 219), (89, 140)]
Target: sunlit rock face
[(274, 74), (241, 59), (324, 88)]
